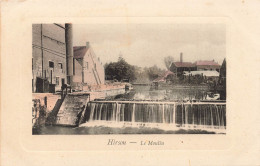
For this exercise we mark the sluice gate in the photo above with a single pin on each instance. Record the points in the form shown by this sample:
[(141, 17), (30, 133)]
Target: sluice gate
[(156, 114)]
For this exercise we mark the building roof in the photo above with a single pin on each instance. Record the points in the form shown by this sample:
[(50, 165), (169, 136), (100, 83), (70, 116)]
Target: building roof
[(159, 79), (184, 64), (79, 51), (206, 73), (206, 63), (168, 72), (163, 76)]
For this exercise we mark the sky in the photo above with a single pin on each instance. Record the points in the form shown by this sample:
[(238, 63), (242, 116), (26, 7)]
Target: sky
[(146, 45)]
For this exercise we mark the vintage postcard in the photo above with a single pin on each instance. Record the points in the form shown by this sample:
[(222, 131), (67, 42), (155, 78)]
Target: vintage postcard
[(144, 78), (124, 82)]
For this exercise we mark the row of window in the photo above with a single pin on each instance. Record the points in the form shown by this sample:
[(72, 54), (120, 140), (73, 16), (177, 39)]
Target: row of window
[(60, 66), (51, 65)]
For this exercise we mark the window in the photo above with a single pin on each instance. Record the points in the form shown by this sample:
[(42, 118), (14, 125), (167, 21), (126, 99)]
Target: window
[(57, 80), (32, 63), (60, 65), (51, 64), (87, 65)]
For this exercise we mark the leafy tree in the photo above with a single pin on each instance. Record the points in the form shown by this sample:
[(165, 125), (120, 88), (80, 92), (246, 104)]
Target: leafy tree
[(120, 70)]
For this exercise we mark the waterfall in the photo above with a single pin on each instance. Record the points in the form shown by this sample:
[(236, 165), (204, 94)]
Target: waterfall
[(92, 106), (170, 114), (133, 114)]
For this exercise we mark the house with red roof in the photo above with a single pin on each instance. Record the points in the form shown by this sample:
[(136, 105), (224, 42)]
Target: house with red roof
[(87, 67), (207, 65), (179, 67), (164, 76)]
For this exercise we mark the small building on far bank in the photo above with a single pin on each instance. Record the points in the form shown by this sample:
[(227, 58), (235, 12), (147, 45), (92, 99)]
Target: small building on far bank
[(200, 77), (87, 68), (165, 77), (207, 76), (207, 65), (179, 67)]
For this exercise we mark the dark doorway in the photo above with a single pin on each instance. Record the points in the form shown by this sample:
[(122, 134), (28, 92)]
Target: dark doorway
[(42, 85), (62, 81)]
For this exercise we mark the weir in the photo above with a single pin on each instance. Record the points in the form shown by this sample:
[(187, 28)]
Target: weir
[(159, 114)]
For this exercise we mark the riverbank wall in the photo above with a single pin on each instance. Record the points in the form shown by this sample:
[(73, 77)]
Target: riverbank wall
[(52, 109)]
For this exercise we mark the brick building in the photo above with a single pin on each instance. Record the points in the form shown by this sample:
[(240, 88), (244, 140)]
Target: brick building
[(48, 57), (87, 68)]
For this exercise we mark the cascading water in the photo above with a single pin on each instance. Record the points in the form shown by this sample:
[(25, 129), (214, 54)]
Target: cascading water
[(201, 115), (160, 114)]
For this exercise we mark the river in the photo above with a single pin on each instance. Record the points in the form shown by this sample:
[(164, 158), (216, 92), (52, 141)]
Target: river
[(138, 93)]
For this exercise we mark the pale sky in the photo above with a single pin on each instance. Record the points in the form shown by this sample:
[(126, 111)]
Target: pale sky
[(147, 44)]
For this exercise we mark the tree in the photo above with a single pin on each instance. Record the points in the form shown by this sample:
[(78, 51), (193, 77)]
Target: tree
[(168, 61), (153, 72), (120, 70), (110, 70)]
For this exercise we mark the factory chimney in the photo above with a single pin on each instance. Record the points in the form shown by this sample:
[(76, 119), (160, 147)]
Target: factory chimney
[(69, 51), (181, 57), (87, 45)]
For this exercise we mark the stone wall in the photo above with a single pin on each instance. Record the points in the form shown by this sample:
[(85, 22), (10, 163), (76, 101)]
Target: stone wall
[(51, 100), (44, 105)]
